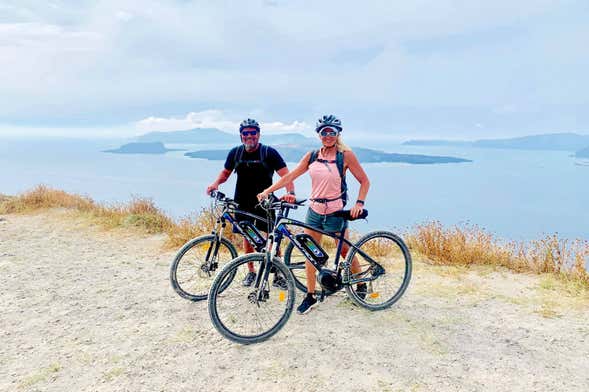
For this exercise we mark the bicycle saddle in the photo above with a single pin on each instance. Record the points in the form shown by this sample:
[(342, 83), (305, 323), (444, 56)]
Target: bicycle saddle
[(348, 216)]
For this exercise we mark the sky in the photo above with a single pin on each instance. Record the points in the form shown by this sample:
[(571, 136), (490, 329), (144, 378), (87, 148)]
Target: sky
[(403, 69)]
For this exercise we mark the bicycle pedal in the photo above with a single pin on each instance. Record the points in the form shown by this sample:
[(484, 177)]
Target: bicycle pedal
[(322, 296)]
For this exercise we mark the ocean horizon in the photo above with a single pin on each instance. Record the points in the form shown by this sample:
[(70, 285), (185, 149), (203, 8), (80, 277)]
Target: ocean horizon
[(513, 194)]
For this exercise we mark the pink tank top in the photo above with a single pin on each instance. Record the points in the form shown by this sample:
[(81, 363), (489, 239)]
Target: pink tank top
[(325, 184)]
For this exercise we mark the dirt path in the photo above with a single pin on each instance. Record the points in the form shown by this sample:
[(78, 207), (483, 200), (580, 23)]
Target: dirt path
[(87, 310)]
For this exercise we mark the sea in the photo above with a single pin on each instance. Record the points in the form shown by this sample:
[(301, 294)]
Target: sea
[(513, 194)]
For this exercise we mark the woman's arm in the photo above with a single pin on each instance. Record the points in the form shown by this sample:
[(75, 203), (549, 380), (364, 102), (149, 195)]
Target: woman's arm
[(358, 172), (287, 178)]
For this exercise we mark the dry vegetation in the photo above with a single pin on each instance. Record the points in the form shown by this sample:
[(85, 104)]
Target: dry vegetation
[(470, 245), (464, 246)]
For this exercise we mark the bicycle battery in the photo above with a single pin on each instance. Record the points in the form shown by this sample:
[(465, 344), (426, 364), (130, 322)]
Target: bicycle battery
[(312, 248), (252, 232)]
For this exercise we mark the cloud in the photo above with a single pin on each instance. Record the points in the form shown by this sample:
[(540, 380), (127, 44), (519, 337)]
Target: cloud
[(211, 119), (113, 61)]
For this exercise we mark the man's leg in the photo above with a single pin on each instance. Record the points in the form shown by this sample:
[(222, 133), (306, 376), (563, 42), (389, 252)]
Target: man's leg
[(250, 277)]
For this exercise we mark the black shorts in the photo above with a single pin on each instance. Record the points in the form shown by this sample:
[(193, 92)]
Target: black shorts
[(261, 224)]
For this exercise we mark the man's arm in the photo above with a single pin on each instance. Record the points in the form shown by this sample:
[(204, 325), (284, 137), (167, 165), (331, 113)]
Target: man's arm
[(223, 176)]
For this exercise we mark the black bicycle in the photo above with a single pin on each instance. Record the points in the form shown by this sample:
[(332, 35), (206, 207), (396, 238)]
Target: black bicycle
[(196, 263), (253, 314)]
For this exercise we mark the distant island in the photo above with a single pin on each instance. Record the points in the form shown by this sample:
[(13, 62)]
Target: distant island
[(216, 136), (191, 136), (142, 148), (550, 142), (292, 146), (584, 153), (365, 155)]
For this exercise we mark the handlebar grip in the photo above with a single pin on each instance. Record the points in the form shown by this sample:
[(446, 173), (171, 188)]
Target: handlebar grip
[(217, 195)]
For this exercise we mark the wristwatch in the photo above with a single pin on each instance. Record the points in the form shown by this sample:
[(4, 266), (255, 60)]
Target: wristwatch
[(360, 201)]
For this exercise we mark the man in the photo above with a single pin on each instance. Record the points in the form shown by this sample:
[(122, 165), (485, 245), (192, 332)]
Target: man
[(255, 165)]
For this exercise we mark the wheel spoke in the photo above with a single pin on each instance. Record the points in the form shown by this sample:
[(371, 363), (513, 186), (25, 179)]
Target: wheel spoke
[(187, 276), (238, 314), (386, 270)]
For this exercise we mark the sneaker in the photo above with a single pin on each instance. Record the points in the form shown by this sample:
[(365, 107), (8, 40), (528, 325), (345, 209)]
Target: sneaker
[(361, 290), (249, 279), (308, 303), (279, 282)]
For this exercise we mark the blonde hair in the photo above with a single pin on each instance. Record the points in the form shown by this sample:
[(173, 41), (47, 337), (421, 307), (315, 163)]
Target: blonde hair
[(341, 146)]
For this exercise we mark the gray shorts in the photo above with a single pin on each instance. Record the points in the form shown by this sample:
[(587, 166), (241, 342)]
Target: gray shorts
[(329, 222)]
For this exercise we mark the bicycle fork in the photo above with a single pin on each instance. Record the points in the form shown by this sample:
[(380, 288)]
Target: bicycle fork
[(262, 292)]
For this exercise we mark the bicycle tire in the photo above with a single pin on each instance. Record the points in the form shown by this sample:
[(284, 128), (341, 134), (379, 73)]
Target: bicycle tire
[(239, 298), (182, 286), (395, 259)]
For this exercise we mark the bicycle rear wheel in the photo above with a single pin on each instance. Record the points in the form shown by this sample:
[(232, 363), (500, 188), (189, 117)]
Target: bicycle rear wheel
[(385, 270), (196, 264), (238, 312)]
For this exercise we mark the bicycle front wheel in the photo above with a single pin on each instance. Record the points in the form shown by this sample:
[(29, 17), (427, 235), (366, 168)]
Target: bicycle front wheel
[(196, 264), (382, 272), (240, 313)]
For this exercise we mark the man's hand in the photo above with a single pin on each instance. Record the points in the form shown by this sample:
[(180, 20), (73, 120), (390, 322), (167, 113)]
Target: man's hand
[(289, 198), (213, 187)]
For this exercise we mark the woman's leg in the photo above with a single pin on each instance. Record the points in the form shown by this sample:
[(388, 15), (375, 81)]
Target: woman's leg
[(309, 268)]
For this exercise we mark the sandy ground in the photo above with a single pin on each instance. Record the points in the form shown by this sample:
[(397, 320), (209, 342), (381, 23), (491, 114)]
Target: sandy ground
[(83, 309)]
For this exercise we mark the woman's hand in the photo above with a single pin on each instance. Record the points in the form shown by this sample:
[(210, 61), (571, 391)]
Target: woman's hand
[(356, 210), (263, 195), (289, 198)]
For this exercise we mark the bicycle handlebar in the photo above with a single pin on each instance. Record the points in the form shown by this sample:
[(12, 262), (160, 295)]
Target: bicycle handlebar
[(269, 204), (219, 196)]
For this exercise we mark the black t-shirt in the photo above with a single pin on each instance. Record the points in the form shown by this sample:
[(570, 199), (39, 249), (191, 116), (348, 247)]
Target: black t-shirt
[(252, 176)]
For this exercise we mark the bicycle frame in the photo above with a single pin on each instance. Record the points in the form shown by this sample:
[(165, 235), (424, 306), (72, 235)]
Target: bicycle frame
[(281, 230), (228, 217)]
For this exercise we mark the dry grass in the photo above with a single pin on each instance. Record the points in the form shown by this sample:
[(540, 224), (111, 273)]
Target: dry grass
[(139, 213), (461, 246), (196, 225), (470, 245)]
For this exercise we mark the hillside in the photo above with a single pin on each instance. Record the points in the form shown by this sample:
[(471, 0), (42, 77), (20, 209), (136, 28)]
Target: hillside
[(89, 309)]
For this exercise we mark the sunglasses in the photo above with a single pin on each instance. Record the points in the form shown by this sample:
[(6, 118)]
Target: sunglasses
[(328, 132), (249, 133)]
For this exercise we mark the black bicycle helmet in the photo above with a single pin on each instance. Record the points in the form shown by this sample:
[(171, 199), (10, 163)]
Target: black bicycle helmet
[(249, 123)]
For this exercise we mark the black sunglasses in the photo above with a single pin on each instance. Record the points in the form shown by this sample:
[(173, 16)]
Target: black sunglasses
[(249, 133)]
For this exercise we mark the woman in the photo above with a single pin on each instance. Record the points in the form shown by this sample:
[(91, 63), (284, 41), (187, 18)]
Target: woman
[(328, 192)]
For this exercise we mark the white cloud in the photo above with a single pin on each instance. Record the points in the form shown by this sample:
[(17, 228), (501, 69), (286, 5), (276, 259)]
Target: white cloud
[(128, 59), (212, 119)]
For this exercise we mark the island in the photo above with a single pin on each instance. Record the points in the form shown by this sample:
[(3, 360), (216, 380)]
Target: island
[(365, 155), (191, 136), (292, 146), (142, 148), (550, 142), (216, 136), (583, 153)]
